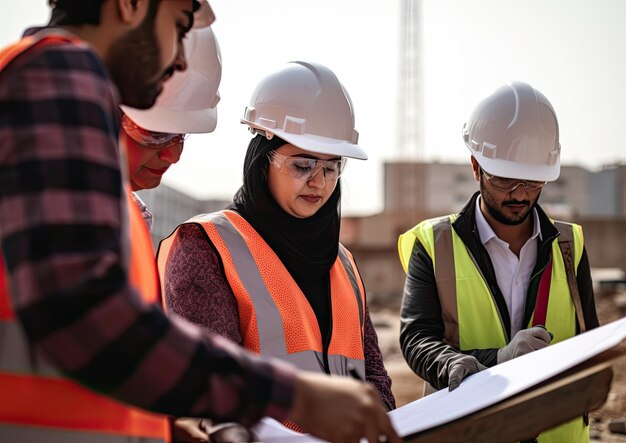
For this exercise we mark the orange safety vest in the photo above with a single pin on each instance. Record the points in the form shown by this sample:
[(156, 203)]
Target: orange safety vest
[(275, 318), (142, 271), (38, 402)]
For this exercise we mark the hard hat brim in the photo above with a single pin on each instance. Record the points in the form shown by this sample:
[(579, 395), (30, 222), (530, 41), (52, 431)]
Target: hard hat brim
[(509, 169), (315, 143), (174, 121)]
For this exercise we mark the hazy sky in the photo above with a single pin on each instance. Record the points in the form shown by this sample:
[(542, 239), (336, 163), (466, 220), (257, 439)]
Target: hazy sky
[(574, 51)]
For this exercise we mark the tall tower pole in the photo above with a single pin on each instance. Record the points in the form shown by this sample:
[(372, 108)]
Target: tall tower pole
[(410, 121)]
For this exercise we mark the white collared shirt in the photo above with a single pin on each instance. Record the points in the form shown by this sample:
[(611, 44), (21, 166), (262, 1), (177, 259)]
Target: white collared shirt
[(512, 273)]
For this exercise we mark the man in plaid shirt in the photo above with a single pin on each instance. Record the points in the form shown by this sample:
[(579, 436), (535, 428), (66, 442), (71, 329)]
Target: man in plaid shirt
[(63, 226)]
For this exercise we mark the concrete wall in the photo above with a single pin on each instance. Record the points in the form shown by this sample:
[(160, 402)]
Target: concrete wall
[(604, 197), (569, 195), (605, 240), (449, 187), (405, 187)]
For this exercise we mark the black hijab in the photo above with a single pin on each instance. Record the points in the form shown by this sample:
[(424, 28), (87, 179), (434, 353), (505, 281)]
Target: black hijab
[(306, 246)]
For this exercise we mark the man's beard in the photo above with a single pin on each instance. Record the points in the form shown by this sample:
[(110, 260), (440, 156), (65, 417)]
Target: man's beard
[(497, 214), (134, 61)]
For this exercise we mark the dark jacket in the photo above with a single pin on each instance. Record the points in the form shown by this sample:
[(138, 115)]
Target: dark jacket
[(422, 329)]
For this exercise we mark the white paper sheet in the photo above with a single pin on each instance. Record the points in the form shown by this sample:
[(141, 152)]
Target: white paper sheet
[(483, 389), (505, 380), (270, 431)]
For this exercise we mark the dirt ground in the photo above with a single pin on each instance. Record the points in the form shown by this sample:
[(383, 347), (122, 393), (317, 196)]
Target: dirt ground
[(407, 386)]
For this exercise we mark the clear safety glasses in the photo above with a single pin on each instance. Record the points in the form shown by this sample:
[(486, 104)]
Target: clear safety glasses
[(304, 168), (511, 184), (150, 138)]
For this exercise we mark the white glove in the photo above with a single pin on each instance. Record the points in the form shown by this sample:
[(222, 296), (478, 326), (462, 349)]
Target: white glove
[(525, 341), (462, 367)]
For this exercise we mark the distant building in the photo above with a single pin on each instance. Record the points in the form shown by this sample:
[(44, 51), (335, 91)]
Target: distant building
[(427, 188), (171, 207), (607, 192), (434, 189), (568, 197), (415, 191)]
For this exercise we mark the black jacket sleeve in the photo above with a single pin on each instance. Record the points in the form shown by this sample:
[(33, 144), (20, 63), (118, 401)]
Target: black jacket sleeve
[(585, 290), (421, 328)]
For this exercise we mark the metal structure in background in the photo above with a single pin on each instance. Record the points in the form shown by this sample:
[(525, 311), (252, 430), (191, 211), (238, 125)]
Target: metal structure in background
[(171, 208), (410, 119)]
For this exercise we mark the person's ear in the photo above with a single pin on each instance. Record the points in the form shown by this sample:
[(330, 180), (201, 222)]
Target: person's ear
[(132, 12), (475, 169)]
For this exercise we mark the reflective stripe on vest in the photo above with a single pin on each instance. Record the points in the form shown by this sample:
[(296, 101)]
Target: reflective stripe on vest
[(28, 435), (471, 318), (275, 318), (9, 53), (38, 403), (41, 397)]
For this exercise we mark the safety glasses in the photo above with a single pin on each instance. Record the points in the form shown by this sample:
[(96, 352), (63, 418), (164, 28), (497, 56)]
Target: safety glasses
[(150, 138), (304, 168), (511, 184)]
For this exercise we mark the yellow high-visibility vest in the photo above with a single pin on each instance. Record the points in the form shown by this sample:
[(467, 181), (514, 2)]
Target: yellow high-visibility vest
[(470, 315)]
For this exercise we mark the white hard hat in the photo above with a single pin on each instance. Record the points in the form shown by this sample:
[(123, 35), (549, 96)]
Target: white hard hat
[(307, 106), (188, 102), (514, 133)]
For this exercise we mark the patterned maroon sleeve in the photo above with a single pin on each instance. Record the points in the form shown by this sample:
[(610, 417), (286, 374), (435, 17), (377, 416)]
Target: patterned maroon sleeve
[(196, 287), (375, 371)]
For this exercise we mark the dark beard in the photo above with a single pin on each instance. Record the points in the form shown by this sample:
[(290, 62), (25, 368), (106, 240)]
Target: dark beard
[(497, 214), (134, 64)]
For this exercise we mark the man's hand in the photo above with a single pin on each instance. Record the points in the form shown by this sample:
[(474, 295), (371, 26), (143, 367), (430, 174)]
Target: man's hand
[(525, 341), (340, 409), (188, 430), (461, 367)]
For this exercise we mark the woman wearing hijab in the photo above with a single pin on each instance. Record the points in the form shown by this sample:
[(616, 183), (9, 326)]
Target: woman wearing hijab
[(269, 272)]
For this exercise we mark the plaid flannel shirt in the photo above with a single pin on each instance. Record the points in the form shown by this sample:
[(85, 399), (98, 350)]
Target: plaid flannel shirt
[(62, 228)]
